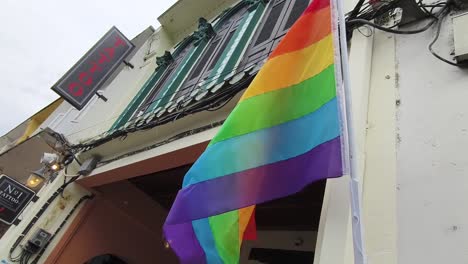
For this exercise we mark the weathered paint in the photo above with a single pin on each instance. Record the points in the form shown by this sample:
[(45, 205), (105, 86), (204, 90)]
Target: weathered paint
[(432, 164), (237, 45), (138, 99)]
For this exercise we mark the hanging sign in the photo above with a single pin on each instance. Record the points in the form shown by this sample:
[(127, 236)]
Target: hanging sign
[(13, 199), (82, 81)]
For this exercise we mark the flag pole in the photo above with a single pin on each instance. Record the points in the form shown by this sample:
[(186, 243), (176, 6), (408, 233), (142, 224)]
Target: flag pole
[(356, 212)]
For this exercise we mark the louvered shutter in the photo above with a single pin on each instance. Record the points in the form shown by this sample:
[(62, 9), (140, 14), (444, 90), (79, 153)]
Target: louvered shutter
[(155, 93), (203, 68), (279, 17)]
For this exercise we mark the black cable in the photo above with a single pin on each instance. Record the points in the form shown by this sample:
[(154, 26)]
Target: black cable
[(66, 183), (164, 142), (38, 215), (211, 103), (394, 31), (27, 258), (82, 199), (228, 93), (435, 38), (209, 79), (77, 161), (424, 9), (202, 105), (366, 35), (364, 17), (17, 258), (356, 9), (221, 105)]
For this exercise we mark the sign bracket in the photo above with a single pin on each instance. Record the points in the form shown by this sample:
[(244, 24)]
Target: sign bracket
[(91, 72), (128, 64), (102, 97)]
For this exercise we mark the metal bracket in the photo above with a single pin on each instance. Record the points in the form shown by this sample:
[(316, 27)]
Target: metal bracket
[(102, 97), (16, 222), (128, 64)]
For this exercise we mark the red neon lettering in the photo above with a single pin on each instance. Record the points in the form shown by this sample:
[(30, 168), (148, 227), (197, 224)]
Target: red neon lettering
[(75, 89), (95, 67), (119, 42), (85, 79), (103, 58), (110, 52)]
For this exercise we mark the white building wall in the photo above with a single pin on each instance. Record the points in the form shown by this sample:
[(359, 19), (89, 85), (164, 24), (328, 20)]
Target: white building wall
[(415, 167), (432, 168), (417, 115), (98, 116), (50, 220)]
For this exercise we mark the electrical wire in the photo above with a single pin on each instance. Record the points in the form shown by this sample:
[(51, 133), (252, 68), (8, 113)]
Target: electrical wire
[(67, 218), (385, 8), (34, 220), (435, 38), (390, 30), (361, 14), (207, 103), (77, 161), (356, 19), (164, 142), (356, 9), (18, 257), (183, 134), (370, 31)]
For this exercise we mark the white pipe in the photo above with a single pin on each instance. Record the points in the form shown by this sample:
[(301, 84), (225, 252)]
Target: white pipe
[(349, 140)]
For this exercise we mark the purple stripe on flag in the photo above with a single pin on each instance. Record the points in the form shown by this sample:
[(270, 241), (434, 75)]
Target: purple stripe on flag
[(257, 185), (184, 242)]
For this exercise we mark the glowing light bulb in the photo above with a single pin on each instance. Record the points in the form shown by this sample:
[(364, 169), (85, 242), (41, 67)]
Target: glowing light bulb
[(55, 167), (167, 245)]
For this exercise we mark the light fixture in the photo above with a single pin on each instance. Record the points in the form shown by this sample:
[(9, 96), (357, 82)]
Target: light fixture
[(55, 167), (36, 178), (167, 245), (51, 160)]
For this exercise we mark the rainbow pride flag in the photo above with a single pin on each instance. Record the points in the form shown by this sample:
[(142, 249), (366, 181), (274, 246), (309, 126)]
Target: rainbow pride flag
[(283, 135)]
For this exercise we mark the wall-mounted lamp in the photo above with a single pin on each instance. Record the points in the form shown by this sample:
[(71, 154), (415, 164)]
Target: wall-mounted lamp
[(36, 178), (55, 167), (167, 245), (52, 161)]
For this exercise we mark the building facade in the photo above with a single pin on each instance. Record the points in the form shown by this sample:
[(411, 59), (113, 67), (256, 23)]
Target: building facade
[(409, 115)]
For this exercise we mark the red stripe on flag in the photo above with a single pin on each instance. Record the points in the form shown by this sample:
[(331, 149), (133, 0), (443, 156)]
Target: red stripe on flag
[(317, 5), (250, 232)]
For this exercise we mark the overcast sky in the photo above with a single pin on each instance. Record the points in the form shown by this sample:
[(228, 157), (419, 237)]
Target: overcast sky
[(41, 39)]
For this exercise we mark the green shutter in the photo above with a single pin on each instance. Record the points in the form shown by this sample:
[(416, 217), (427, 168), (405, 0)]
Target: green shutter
[(138, 99), (177, 79), (232, 54)]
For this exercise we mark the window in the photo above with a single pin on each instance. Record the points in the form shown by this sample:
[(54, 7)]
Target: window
[(225, 30), (171, 71), (158, 93), (279, 17), (208, 54)]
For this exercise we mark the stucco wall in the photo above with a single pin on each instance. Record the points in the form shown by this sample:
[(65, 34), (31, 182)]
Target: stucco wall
[(98, 116), (123, 221), (432, 168), (50, 220)]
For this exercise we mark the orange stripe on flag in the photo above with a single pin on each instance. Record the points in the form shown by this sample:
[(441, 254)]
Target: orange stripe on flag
[(297, 35), (292, 68), (245, 215)]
